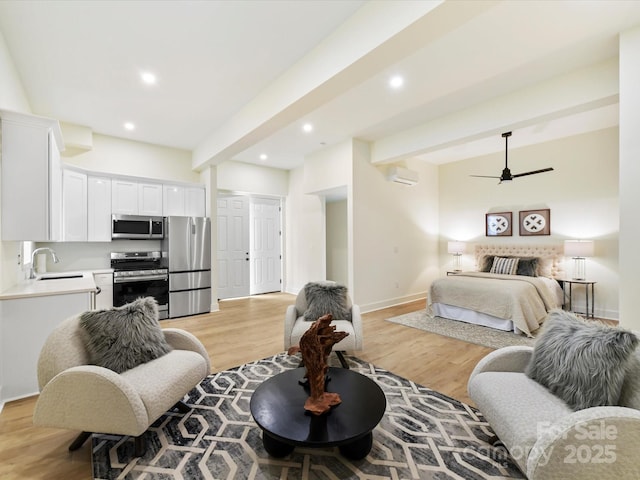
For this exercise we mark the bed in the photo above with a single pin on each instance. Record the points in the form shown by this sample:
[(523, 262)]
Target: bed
[(515, 294)]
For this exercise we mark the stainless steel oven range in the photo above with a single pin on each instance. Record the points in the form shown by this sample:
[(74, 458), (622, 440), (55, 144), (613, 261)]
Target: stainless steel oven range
[(140, 274)]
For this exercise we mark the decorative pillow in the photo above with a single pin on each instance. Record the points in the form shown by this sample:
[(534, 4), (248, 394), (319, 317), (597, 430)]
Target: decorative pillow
[(630, 393), (504, 265), (583, 363), (121, 338), (485, 263), (527, 266), (323, 298)]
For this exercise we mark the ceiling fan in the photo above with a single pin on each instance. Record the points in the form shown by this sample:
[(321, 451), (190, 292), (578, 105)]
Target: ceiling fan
[(506, 173)]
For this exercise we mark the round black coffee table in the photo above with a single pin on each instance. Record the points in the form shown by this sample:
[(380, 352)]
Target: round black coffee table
[(277, 406)]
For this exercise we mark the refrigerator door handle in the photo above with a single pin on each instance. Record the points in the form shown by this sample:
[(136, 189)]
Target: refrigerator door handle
[(190, 230)]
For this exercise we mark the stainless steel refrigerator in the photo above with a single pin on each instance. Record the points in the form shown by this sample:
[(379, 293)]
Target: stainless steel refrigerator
[(186, 251)]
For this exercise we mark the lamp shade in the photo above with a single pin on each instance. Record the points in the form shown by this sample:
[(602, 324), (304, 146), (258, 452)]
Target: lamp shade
[(578, 248), (455, 247)]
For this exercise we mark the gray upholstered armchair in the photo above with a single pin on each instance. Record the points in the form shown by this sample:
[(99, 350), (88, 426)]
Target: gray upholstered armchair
[(78, 396), (350, 320)]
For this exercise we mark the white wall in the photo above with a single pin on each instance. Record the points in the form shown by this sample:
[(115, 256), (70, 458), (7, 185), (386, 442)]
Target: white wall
[(76, 256), (128, 157), (329, 170), (304, 235), (244, 178), (12, 94), (581, 192), (12, 97), (337, 241), (629, 175), (324, 172), (391, 229), (395, 233)]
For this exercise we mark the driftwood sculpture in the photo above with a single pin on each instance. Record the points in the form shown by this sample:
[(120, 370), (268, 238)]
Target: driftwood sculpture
[(315, 347)]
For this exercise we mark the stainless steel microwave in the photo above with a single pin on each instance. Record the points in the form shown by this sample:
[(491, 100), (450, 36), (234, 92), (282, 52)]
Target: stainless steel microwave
[(137, 227)]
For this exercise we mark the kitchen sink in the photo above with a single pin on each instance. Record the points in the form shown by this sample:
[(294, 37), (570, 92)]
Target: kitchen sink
[(60, 276)]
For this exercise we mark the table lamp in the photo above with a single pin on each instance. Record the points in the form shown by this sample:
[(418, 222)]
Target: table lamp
[(456, 249), (578, 250)]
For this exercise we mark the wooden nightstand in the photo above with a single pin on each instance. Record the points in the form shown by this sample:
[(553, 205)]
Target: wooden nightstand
[(588, 285)]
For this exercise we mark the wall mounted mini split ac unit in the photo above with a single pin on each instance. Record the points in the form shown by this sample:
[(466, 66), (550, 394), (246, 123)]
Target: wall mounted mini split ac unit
[(402, 175)]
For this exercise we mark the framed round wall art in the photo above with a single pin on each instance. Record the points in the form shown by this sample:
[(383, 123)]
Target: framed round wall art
[(535, 222), (498, 224)]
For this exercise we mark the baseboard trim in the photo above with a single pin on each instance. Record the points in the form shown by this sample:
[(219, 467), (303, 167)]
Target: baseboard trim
[(392, 302)]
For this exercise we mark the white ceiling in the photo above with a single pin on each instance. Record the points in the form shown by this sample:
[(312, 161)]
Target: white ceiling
[(231, 73)]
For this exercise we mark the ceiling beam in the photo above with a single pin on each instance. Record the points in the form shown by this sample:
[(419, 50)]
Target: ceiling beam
[(376, 36), (579, 91)]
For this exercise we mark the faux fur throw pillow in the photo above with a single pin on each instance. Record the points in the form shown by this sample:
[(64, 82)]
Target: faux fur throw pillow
[(583, 363), (124, 337), (527, 266), (324, 298)]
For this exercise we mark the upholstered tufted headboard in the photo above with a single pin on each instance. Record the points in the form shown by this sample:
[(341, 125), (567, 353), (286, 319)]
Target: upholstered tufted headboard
[(551, 256)]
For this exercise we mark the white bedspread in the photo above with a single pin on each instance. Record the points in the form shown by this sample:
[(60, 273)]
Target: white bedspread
[(523, 300)]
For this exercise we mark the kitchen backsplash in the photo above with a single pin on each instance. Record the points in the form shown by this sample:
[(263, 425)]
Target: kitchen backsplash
[(91, 255)]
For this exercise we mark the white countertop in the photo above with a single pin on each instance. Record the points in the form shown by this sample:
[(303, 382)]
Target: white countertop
[(61, 286)]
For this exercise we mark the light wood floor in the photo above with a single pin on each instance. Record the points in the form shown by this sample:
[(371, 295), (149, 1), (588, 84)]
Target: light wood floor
[(244, 330)]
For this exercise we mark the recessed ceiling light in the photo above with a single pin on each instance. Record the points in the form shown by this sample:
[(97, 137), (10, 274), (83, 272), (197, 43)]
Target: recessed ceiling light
[(148, 78), (129, 126), (396, 81), (307, 127), (263, 156)]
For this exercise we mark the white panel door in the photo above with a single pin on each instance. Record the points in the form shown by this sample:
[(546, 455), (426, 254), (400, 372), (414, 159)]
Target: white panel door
[(265, 246), (233, 247)]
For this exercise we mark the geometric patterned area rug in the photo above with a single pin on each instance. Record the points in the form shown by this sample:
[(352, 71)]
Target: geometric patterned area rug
[(468, 332), (423, 435)]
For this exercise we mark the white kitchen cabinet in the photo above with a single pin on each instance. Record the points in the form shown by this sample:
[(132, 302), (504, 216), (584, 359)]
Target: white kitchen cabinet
[(31, 178), (136, 198), (104, 282), (98, 209), (183, 201), (173, 200), (194, 202), (25, 323), (150, 199), (124, 197), (74, 206)]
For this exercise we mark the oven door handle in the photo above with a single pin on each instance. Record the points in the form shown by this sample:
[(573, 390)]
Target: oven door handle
[(141, 278)]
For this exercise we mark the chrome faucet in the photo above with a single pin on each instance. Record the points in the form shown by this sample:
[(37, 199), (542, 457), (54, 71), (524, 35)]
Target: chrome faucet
[(32, 270)]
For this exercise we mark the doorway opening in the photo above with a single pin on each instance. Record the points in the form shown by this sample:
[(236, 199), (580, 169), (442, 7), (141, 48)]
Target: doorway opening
[(249, 245)]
